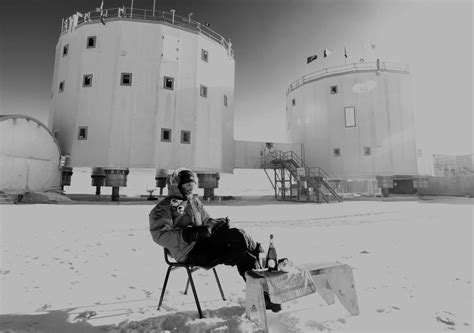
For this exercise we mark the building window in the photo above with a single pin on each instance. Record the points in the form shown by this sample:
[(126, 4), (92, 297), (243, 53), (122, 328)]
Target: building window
[(333, 90), (61, 86), (126, 79), (349, 115), (82, 134), (87, 80), (91, 42), (165, 135), (367, 151), (65, 50), (336, 152), (225, 100), (293, 101), (185, 137), (168, 83), (204, 55), (203, 91)]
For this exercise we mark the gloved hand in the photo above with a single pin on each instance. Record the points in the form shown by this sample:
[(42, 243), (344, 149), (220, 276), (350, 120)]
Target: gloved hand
[(192, 234), (217, 224)]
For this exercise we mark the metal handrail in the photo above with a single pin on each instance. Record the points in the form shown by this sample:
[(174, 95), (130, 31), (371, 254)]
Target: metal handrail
[(290, 155), (127, 13), (353, 67)]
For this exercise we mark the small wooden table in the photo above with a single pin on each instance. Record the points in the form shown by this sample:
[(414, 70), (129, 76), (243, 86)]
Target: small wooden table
[(330, 278)]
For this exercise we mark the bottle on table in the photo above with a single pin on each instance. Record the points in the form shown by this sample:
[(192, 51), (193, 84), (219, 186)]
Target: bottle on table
[(272, 259)]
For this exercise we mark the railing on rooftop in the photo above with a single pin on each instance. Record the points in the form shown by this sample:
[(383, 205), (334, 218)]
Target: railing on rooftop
[(347, 68), (127, 13)]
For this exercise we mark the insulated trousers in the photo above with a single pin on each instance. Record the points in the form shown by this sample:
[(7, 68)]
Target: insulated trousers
[(226, 246)]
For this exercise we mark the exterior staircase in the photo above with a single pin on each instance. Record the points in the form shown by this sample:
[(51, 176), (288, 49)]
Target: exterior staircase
[(294, 180)]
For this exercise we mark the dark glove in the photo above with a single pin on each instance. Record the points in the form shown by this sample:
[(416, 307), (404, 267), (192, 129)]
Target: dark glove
[(192, 234), (218, 224)]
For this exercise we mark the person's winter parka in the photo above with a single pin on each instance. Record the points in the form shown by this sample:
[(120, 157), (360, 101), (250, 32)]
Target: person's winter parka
[(171, 215)]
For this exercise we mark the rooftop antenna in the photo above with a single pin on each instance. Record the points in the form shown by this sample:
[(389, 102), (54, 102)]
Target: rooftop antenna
[(154, 7), (131, 10), (172, 11)]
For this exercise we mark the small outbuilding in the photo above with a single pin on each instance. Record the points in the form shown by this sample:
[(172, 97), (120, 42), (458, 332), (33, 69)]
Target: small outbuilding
[(29, 156)]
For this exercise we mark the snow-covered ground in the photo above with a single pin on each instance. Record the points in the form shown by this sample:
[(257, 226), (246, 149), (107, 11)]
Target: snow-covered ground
[(75, 268)]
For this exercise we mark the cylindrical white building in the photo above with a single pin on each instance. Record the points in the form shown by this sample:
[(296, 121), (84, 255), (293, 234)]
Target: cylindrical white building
[(355, 120), (143, 89)]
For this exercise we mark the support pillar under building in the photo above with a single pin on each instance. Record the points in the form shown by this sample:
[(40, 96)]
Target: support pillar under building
[(116, 178), (208, 181), (98, 179), (385, 183), (66, 175), (161, 177)]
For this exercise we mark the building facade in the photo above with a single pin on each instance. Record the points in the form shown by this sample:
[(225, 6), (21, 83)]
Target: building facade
[(356, 120)]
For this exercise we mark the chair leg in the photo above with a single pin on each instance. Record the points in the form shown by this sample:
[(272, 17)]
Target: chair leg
[(194, 292), (219, 284), (164, 287), (187, 282), (187, 286)]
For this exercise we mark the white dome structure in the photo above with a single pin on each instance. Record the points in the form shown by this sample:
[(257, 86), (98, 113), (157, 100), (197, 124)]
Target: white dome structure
[(29, 156)]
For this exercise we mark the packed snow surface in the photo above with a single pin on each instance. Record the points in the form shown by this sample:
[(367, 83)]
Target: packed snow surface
[(94, 267)]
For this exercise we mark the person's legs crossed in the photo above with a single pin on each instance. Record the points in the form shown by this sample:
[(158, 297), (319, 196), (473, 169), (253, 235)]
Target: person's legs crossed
[(230, 247), (227, 246)]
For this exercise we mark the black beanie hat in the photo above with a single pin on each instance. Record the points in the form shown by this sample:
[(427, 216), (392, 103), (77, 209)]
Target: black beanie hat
[(185, 176)]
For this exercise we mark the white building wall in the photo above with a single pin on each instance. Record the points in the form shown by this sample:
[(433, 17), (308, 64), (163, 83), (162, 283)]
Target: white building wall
[(125, 122), (384, 123)]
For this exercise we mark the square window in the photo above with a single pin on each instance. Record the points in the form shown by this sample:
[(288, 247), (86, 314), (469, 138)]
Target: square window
[(82, 135), (225, 100), (61, 86), (333, 90), (293, 101), (126, 79), (349, 115), (203, 91), (166, 135), (367, 151), (168, 83), (87, 80), (185, 137), (204, 55), (336, 152), (65, 50), (91, 42)]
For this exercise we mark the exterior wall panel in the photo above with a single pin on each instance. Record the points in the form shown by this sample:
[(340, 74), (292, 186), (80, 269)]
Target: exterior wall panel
[(383, 123), (125, 122)]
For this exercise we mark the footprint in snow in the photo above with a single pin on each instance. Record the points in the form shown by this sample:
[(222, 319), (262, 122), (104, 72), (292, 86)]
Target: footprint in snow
[(446, 317), (85, 315), (43, 308)]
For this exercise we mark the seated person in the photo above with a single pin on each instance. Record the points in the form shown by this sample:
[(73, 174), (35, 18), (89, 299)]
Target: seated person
[(180, 223)]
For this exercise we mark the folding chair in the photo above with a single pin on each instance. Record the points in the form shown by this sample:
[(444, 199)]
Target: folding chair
[(190, 269)]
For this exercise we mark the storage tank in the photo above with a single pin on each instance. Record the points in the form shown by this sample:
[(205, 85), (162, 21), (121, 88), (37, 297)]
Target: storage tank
[(29, 156), (355, 120), (143, 89)]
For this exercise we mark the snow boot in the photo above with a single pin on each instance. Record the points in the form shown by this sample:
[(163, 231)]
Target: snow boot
[(269, 305)]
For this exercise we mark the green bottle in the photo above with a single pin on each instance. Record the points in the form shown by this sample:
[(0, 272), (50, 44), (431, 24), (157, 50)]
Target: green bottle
[(272, 259)]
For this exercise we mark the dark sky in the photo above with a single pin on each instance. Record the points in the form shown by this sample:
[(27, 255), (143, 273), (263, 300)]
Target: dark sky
[(271, 40)]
